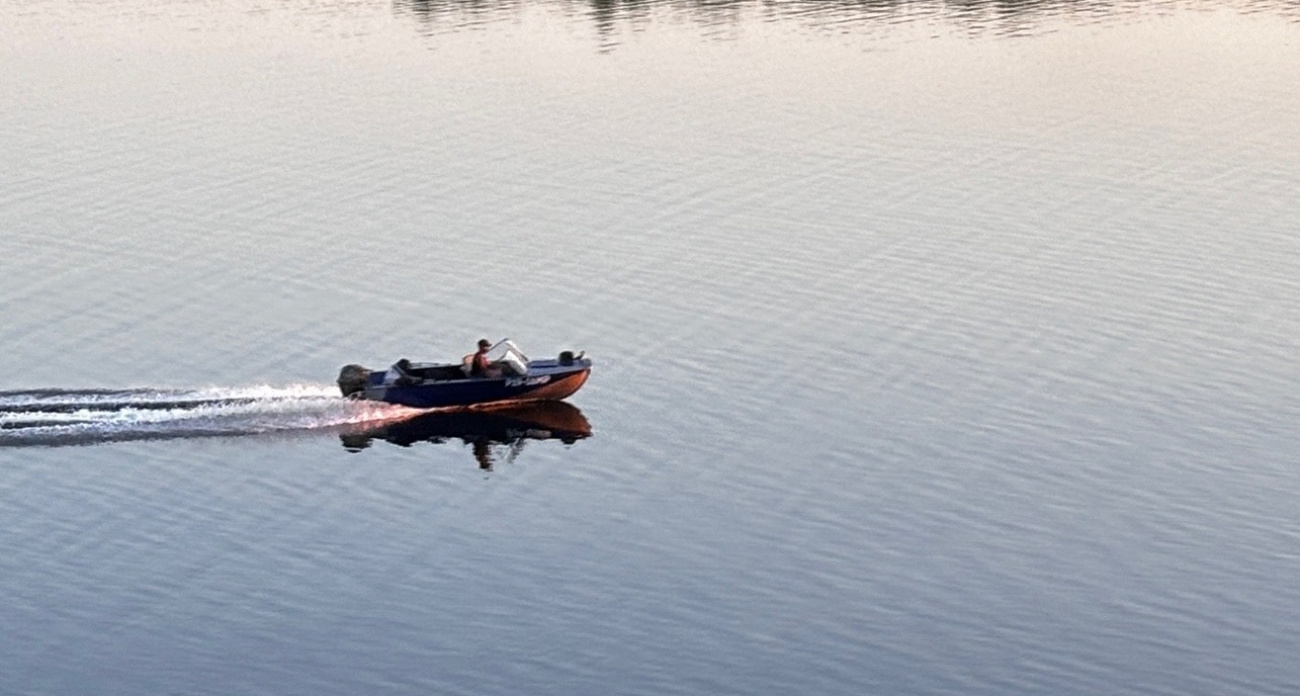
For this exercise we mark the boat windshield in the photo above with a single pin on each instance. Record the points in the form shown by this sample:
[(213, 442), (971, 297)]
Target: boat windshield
[(506, 353)]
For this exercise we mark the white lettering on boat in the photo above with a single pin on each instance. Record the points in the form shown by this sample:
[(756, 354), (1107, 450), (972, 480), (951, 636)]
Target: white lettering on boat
[(527, 381)]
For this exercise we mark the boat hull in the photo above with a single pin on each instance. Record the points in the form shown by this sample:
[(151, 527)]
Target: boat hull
[(544, 381)]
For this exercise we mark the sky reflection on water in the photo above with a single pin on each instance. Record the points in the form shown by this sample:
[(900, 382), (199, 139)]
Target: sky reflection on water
[(931, 360)]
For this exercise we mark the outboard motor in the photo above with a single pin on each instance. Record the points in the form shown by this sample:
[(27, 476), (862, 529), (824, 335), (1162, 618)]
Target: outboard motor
[(566, 358), (353, 379)]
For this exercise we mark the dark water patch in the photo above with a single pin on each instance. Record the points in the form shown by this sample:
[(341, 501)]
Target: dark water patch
[(973, 17), (486, 432)]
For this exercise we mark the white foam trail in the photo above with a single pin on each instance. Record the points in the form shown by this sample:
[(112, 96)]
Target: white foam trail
[(58, 416)]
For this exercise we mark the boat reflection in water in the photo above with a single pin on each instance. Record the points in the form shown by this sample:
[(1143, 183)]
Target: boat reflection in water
[(484, 430)]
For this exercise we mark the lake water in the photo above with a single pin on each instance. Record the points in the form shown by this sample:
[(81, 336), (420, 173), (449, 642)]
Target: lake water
[(940, 348)]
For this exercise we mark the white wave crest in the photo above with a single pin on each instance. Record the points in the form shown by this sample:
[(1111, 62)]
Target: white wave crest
[(70, 416)]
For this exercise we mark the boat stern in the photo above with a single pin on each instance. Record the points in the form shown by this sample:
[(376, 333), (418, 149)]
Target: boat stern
[(353, 380)]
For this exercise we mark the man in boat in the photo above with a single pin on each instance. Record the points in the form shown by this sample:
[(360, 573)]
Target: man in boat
[(479, 365)]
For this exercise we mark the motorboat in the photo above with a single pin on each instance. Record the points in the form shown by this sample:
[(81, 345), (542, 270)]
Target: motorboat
[(511, 378)]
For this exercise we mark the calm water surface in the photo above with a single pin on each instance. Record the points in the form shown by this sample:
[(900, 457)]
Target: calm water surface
[(940, 347)]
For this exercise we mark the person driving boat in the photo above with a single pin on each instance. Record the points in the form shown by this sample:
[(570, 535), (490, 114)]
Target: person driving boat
[(479, 365)]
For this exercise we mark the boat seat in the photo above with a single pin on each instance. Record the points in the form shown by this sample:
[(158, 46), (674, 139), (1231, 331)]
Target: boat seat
[(401, 373), (440, 372)]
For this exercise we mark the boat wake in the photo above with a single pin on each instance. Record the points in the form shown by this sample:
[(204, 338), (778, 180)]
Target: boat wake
[(55, 417)]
